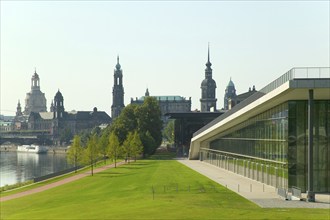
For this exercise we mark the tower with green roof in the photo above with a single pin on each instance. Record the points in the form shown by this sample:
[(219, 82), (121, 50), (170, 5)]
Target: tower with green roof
[(208, 86), (230, 93)]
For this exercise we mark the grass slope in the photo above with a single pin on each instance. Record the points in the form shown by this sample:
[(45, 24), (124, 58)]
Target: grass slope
[(127, 193)]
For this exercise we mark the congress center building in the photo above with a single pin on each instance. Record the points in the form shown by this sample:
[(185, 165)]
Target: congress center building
[(279, 136)]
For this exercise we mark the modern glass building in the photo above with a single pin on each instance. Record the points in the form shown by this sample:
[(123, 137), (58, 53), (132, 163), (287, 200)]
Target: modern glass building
[(267, 137)]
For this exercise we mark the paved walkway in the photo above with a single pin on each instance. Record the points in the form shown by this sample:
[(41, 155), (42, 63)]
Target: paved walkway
[(58, 183), (263, 195)]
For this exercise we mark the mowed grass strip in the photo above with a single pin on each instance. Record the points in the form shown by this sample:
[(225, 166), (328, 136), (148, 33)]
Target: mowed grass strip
[(146, 189), (54, 179)]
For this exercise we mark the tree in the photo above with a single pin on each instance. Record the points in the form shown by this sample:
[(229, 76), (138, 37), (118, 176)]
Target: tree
[(127, 146), (145, 119), (114, 147), (103, 145), (125, 123), (168, 132), (136, 145), (65, 135), (75, 152), (150, 125), (84, 137), (148, 144), (91, 152)]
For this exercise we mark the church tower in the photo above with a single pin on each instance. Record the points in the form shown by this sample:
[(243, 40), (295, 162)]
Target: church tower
[(230, 93), (19, 109), (58, 105), (117, 91), (208, 86)]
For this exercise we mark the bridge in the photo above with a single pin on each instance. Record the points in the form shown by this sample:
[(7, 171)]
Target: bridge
[(26, 137)]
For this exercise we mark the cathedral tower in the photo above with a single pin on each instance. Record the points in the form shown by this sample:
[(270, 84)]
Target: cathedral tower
[(117, 91), (208, 86)]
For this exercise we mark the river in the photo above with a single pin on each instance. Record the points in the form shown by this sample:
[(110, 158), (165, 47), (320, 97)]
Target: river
[(16, 167)]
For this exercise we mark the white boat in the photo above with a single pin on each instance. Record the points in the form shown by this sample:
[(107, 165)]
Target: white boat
[(32, 149)]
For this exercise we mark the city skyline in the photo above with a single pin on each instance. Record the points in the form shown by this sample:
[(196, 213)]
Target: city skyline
[(74, 47)]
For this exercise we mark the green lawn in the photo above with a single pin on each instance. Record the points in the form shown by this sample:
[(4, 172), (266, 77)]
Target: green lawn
[(127, 193)]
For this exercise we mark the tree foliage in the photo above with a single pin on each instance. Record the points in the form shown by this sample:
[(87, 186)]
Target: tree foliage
[(75, 152), (168, 132), (150, 125), (136, 145), (145, 119), (114, 150), (104, 144), (66, 135), (91, 152), (125, 123), (127, 146)]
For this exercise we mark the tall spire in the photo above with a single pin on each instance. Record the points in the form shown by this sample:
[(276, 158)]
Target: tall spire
[(118, 65), (208, 64)]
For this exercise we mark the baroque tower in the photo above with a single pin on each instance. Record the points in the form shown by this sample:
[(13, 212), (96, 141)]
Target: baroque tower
[(58, 105), (19, 109), (117, 91), (230, 93), (208, 87), (58, 116)]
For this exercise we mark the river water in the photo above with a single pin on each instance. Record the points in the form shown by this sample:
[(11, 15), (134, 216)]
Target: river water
[(18, 167)]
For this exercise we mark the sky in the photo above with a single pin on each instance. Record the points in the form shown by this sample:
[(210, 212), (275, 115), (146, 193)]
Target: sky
[(162, 46)]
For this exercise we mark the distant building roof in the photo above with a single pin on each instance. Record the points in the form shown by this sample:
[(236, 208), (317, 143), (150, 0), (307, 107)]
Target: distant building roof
[(164, 98), (46, 115)]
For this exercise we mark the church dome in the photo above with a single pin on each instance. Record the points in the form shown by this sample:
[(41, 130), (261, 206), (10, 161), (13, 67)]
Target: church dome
[(208, 83), (35, 76), (58, 95), (231, 84)]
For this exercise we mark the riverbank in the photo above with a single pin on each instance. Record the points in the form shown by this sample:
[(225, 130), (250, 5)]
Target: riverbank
[(51, 149)]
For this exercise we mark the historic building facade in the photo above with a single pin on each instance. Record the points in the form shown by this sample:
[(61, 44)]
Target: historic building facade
[(57, 123), (60, 123), (208, 86), (117, 91), (167, 104)]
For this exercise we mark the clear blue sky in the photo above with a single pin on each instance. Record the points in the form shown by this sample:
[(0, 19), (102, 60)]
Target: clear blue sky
[(162, 45)]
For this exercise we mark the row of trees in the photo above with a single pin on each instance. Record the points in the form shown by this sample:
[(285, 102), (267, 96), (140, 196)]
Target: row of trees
[(136, 131)]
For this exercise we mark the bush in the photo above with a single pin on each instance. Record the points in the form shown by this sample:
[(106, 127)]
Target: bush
[(14, 186)]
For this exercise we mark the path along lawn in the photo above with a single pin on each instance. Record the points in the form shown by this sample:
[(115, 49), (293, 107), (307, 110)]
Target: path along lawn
[(127, 193)]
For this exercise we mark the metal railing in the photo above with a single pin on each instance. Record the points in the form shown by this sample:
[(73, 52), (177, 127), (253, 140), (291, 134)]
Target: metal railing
[(294, 73), (273, 173)]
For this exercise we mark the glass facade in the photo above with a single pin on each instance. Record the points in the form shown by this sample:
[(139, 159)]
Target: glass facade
[(272, 147), (298, 145)]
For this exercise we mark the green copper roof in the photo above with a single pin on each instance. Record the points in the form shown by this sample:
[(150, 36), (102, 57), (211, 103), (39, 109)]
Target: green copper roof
[(231, 83)]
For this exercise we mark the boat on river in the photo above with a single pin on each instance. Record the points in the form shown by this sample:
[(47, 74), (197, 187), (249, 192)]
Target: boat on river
[(32, 149)]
